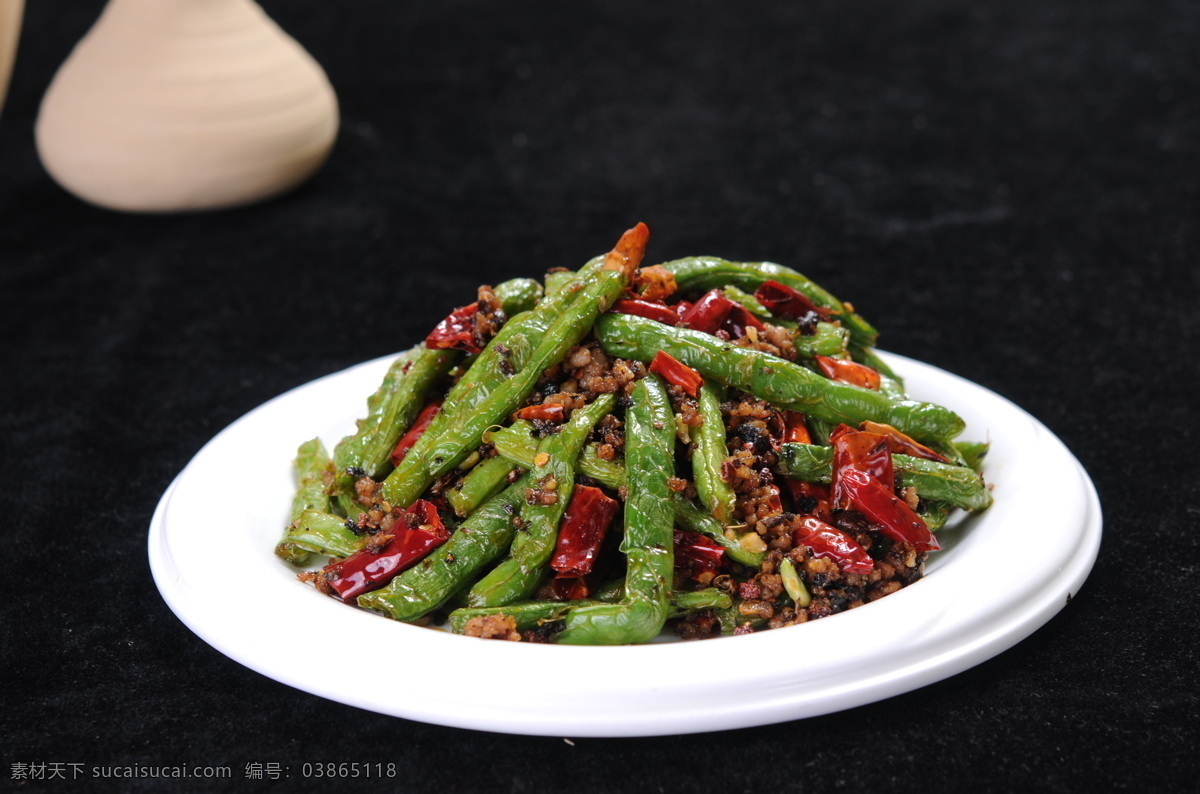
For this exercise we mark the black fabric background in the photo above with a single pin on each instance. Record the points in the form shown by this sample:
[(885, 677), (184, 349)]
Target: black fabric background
[(1009, 190)]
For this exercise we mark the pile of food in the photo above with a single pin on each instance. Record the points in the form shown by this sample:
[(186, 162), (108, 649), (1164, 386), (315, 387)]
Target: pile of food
[(709, 445)]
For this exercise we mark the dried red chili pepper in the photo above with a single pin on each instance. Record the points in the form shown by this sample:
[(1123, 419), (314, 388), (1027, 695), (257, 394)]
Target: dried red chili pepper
[(850, 372), (419, 426), (795, 428), (879, 505), (582, 530), (569, 587), (366, 570), (696, 555), (651, 310), (677, 373), (546, 413), (902, 444), (709, 313), (457, 331), (856, 450), (786, 302), (832, 543), (738, 320)]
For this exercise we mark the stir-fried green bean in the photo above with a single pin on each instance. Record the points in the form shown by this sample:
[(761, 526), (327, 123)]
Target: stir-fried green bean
[(773, 379), (940, 482), (485, 480), (708, 272), (313, 466), (321, 533), (553, 476), (510, 481), (708, 453), (445, 449), (648, 543), (481, 539), (390, 411)]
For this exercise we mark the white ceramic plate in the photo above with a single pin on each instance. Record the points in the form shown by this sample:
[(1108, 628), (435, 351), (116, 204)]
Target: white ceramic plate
[(999, 577)]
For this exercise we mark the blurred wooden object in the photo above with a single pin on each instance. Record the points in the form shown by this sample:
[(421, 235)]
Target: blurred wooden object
[(175, 105), (11, 12)]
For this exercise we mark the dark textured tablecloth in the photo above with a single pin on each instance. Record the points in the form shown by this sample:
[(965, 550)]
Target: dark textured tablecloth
[(1009, 190)]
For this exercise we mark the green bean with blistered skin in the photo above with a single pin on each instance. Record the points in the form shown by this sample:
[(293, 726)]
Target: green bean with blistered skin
[(506, 583), (972, 453), (445, 449), (485, 480), (702, 273), (482, 538), (692, 517), (768, 377), (515, 444), (322, 533), (708, 454), (648, 542), (529, 615), (554, 472), (960, 486), (390, 412), (518, 295), (508, 352), (313, 465)]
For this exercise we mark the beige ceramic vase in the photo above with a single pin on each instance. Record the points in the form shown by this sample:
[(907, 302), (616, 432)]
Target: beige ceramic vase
[(174, 105)]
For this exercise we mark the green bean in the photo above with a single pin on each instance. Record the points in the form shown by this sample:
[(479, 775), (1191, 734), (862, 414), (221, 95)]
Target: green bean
[(648, 542), (508, 352), (702, 273), (684, 602), (427, 585), (506, 583), (515, 444), (731, 618), (322, 533), (972, 453), (691, 516), (934, 514), (312, 466), (481, 483), (709, 452), (554, 471), (446, 449), (827, 339), (771, 378), (390, 412), (518, 295), (530, 615), (960, 486)]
